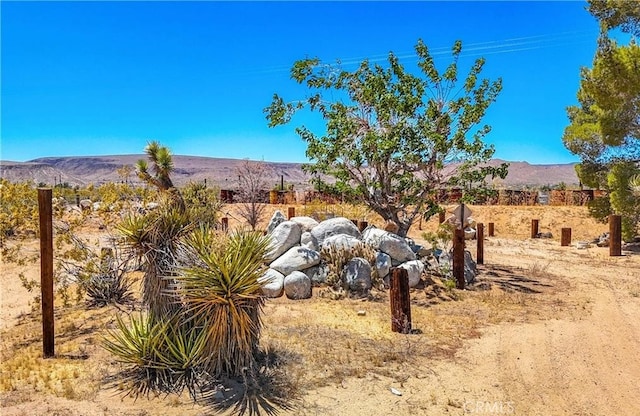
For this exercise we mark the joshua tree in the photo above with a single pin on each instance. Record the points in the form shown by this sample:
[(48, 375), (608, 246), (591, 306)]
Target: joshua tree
[(161, 167)]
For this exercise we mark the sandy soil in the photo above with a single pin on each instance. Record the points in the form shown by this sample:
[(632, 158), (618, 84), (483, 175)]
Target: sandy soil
[(553, 331)]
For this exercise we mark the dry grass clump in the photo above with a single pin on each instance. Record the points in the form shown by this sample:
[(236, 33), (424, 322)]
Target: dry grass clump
[(77, 369), (335, 340)]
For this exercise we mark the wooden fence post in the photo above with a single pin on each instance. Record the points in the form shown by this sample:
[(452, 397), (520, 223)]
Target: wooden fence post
[(400, 301), (615, 235), (291, 212), (491, 229), (480, 243), (565, 238), (46, 270), (362, 225), (225, 224), (458, 258), (534, 228)]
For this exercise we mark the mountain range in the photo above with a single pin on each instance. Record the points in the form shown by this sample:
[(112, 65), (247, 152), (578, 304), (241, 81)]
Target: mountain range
[(83, 170)]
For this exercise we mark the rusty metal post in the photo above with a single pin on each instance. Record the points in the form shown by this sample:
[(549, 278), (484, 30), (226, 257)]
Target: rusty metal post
[(615, 235), (441, 217), (45, 211), (491, 229), (458, 258), (534, 228), (400, 301), (565, 237), (291, 212), (480, 243)]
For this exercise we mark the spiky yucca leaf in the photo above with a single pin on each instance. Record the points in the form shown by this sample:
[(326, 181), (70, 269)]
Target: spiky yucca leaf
[(223, 295), (160, 354)]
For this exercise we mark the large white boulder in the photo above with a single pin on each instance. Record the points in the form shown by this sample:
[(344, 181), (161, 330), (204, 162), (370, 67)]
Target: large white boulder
[(276, 219), (392, 244), (296, 258), (357, 274), (297, 285), (272, 282), (283, 237), (334, 226), (305, 223), (414, 270)]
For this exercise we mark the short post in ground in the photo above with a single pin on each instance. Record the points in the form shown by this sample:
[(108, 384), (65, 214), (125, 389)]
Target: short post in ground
[(400, 301), (565, 237), (615, 235), (480, 243), (46, 270), (534, 228), (491, 229), (291, 212), (458, 258)]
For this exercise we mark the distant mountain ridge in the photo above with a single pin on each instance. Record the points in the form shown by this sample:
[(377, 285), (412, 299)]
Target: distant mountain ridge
[(83, 170)]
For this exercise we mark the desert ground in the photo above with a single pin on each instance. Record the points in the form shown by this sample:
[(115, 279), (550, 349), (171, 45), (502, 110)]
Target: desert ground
[(546, 330)]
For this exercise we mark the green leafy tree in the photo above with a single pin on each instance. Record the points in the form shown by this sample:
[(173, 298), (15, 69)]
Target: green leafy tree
[(605, 126), (392, 138)]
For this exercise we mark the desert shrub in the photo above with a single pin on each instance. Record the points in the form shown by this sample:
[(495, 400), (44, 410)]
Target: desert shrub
[(159, 354), (215, 330), (155, 236), (18, 209), (221, 291), (202, 203), (337, 257), (442, 238)]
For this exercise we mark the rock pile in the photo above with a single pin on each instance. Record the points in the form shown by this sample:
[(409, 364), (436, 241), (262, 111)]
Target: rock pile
[(296, 261)]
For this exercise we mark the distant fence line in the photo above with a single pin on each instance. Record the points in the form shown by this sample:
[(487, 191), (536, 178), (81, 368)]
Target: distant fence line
[(572, 197), (451, 196)]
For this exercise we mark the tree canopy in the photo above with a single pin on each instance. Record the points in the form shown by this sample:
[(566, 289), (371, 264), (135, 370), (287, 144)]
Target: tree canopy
[(393, 139), (605, 126)]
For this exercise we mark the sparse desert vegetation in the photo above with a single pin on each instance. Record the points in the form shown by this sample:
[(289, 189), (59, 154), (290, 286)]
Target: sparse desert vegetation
[(513, 338)]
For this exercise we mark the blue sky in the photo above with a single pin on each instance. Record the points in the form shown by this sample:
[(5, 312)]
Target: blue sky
[(102, 78)]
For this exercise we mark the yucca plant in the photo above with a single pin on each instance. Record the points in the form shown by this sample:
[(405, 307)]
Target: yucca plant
[(160, 354), (222, 295), (155, 237)]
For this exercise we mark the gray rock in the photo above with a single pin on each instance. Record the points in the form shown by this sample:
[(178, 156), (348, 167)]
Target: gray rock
[(307, 240), (296, 258), (470, 268), (283, 237), (334, 226), (86, 204), (392, 244), (276, 219), (272, 283), (414, 270), (305, 223), (383, 264), (357, 274), (318, 274), (297, 285), (341, 242)]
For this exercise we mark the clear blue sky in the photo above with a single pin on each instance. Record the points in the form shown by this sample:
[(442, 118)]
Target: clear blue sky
[(102, 78)]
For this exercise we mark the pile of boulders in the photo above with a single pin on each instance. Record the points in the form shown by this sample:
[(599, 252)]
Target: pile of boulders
[(296, 264)]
